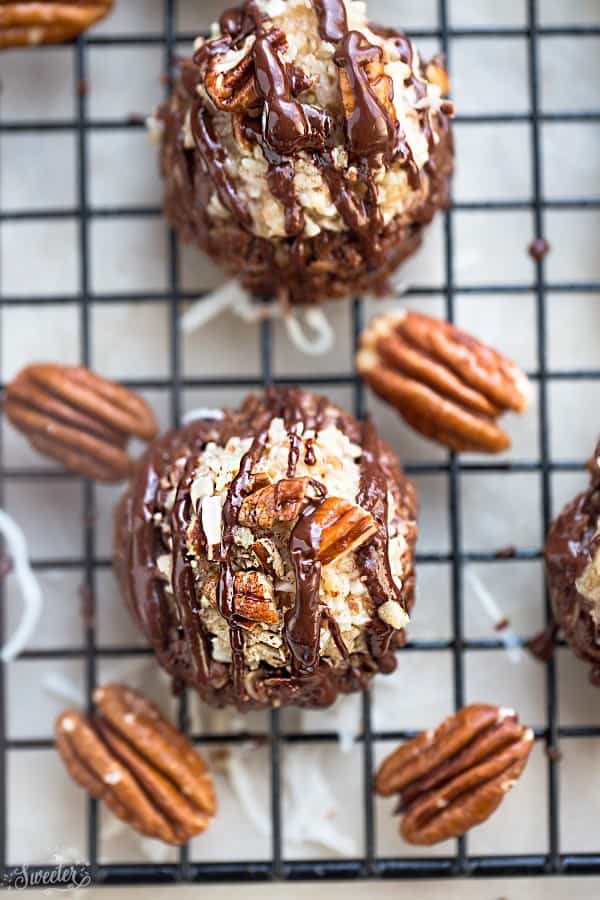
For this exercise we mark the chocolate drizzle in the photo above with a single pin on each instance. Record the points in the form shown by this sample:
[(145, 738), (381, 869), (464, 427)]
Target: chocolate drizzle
[(371, 128), (214, 158), (184, 581), (157, 518), (231, 509), (361, 215), (373, 557), (333, 21), (288, 125)]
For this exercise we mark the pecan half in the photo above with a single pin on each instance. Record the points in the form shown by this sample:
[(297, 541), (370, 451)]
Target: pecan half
[(445, 383), (145, 770), (279, 502), (79, 418), (253, 597), (341, 527), (28, 23), (453, 778), (229, 79)]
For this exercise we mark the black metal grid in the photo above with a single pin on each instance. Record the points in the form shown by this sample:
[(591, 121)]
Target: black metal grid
[(369, 865)]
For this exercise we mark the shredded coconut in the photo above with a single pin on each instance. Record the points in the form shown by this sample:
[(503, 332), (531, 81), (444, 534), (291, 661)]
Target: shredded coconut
[(29, 587)]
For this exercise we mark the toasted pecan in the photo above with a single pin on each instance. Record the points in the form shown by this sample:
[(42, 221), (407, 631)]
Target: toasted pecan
[(282, 501), (145, 770), (28, 23), (229, 79), (445, 383), (253, 597), (455, 777), (79, 418)]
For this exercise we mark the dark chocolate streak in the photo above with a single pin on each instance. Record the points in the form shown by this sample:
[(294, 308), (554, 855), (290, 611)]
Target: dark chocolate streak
[(184, 583), (333, 21), (373, 556), (303, 622), (145, 589), (371, 129), (288, 126), (213, 156), (173, 623), (231, 509)]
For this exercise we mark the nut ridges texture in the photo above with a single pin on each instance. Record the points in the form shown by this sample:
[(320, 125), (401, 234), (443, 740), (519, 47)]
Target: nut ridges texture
[(453, 778), (145, 770), (51, 22), (445, 383), (79, 418)]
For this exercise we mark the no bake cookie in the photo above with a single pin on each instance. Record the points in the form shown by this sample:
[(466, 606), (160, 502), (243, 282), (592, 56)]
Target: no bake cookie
[(268, 555)]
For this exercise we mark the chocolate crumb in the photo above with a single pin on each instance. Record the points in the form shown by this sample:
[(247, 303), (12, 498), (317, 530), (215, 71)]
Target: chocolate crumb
[(506, 552), (538, 249), (554, 754), (83, 87), (541, 646), (86, 605), (177, 687), (6, 565), (501, 625), (136, 119)]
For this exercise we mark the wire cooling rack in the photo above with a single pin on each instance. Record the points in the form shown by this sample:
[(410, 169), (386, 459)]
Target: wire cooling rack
[(369, 865)]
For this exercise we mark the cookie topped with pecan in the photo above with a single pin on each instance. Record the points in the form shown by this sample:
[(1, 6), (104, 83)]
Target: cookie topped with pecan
[(305, 148), (268, 555)]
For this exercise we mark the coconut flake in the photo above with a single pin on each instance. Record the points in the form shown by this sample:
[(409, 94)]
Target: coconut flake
[(29, 587), (58, 685), (231, 296), (164, 564), (322, 338), (507, 636), (203, 486), (211, 519), (312, 814), (201, 413), (392, 614)]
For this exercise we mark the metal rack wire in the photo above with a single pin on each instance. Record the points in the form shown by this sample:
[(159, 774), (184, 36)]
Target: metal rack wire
[(370, 865)]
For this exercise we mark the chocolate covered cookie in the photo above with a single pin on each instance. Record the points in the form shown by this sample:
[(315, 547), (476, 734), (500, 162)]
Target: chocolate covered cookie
[(306, 149), (268, 555), (573, 562)]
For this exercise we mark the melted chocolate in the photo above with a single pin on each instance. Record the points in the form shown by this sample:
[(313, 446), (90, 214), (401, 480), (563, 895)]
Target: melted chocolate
[(571, 545), (309, 453), (541, 646), (288, 125), (184, 581), (237, 491), (362, 216), (333, 21), (303, 622), (373, 556), (371, 128), (214, 158), (173, 622)]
